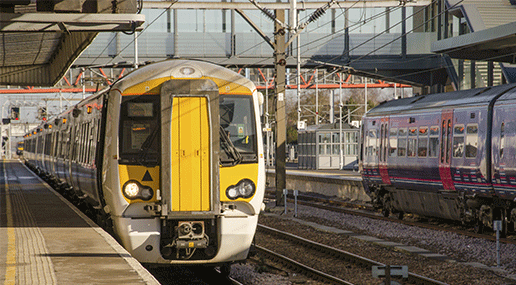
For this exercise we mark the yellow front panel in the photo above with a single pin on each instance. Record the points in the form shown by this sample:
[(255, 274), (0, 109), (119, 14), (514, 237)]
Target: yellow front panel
[(147, 176), (230, 176), (190, 154)]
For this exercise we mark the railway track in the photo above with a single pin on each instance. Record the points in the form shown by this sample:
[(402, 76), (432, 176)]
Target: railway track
[(191, 275), (353, 264), (369, 212)]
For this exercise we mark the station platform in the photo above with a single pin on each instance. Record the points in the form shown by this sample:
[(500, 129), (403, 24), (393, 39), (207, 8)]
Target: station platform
[(44, 239)]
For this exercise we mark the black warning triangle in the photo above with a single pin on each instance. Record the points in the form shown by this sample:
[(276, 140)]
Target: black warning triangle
[(147, 177)]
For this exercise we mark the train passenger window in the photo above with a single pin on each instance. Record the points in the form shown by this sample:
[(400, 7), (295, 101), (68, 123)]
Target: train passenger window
[(433, 143), (448, 140), (471, 140), (458, 141), (422, 144), (371, 143), (402, 142), (412, 142), (382, 136), (443, 141), (502, 139), (393, 142)]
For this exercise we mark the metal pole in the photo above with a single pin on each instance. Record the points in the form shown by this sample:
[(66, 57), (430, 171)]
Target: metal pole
[(296, 193), (298, 41), (497, 227), (285, 194), (332, 107), (9, 139), (341, 137), (267, 125), (498, 248), (365, 103), (135, 50), (316, 98), (281, 125)]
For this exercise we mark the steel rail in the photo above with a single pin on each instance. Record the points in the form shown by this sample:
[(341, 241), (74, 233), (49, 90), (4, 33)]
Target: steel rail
[(344, 255), (338, 207), (309, 271)]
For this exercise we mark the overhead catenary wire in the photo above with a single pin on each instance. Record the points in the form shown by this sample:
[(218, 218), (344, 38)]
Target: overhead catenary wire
[(357, 23), (354, 26)]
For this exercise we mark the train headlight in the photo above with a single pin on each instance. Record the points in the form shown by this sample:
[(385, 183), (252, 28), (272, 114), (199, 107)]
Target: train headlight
[(134, 190), (245, 188), (131, 190)]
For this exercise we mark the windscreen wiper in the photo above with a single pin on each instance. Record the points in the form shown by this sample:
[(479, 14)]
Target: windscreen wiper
[(229, 148), (146, 146)]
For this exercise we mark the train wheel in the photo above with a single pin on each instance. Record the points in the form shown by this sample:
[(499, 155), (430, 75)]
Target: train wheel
[(400, 215)]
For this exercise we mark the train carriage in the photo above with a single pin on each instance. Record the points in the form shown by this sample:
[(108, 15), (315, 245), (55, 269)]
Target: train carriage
[(444, 155), (170, 155)]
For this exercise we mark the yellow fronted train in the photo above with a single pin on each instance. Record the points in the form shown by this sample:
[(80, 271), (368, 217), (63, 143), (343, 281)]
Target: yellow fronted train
[(170, 157)]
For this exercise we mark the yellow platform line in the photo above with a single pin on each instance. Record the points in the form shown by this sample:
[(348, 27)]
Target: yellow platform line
[(10, 272)]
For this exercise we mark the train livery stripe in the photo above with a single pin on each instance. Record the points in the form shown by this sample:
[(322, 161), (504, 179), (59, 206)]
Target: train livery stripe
[(190, 137)]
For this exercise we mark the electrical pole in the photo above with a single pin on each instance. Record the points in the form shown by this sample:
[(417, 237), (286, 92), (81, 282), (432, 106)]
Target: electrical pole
[(279, 45), (281, 122)]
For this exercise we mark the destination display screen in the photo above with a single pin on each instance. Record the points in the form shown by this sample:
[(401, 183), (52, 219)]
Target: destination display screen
[(140, 109)]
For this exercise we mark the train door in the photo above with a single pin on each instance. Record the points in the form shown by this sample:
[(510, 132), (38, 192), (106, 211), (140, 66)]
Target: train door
[(190, 147), (445, 153), (384, 148)]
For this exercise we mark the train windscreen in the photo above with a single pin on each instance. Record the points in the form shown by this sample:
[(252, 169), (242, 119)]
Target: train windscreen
[(237, 124)]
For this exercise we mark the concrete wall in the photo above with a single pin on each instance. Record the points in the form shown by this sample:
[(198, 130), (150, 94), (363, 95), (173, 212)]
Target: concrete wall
[(342, 187)]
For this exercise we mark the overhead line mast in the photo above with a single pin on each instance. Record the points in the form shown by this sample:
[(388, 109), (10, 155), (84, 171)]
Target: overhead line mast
[(279, 45)]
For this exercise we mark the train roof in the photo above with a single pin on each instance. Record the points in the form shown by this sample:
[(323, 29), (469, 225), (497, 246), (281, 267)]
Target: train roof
[(171, 68), (471, 97)]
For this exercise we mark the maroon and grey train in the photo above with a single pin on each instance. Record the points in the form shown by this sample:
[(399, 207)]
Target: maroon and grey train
[(449, 155)]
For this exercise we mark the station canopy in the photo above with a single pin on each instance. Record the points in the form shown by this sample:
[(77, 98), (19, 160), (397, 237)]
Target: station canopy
[(40, 39)]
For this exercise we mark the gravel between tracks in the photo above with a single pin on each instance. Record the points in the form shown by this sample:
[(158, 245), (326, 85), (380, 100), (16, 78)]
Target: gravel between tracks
[(459, 248)]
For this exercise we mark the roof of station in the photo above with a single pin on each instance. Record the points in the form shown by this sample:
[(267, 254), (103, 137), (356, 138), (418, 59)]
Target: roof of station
[(39, 43), (493, 36)]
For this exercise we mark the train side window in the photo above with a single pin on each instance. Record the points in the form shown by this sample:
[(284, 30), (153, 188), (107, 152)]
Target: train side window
[(382, 135), (433, 146), (422, 144), (502, 139), (393, 142), (448, 141), (458, 141), (371, 143), (471, 140), (402, 142), (443, 141), (412, 142)]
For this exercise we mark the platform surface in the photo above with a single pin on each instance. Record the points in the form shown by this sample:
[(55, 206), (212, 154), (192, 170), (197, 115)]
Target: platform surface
[(46, 240)]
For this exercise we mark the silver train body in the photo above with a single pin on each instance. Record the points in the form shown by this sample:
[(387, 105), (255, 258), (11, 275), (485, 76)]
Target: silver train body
[(169, 157)]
